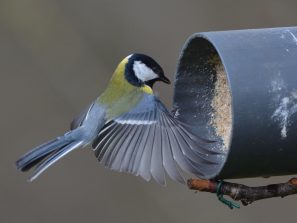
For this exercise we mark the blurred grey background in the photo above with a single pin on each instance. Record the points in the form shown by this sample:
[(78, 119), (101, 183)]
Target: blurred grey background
[(57, 56)]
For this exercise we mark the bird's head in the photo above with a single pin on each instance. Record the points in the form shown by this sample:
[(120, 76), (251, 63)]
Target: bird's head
[(143, 70)]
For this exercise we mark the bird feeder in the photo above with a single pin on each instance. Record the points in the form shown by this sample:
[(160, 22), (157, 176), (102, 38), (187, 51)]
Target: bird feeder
[(239, 88)]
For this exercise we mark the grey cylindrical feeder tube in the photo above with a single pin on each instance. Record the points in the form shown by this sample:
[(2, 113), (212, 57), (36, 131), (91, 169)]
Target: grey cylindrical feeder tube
[(261, 69)]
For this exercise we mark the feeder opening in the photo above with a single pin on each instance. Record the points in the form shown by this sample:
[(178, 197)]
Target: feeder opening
[(202, 93)]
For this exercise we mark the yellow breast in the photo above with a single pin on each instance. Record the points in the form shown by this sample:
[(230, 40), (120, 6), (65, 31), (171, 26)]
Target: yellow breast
[(120, 96)]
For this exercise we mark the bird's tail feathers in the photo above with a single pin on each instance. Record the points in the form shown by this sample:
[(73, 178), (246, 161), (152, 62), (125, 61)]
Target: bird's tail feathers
[(47, 154)]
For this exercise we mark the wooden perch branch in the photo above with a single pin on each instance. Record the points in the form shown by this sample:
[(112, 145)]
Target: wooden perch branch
[(243, 193)]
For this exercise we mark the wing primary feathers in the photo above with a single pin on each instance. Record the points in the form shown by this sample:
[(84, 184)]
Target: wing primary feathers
[(145, 160), (140, 151), (138, 140), (103, 148), (199, 141), (106, 130), (103, 140), (168, 161), (188, 149), (144, 165), (114, 145), (157, 169), (107, 150), (116, 157), (127, 149), (196, 164), (178, 155), (195, 137), (104, 133)]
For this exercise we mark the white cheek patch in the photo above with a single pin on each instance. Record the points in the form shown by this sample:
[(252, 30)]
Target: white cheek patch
[(143, 72)]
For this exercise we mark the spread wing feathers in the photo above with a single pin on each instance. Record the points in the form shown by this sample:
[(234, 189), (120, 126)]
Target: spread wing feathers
[(147, 141)]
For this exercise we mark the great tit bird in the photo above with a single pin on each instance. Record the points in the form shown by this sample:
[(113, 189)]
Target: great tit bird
[(130, 130)]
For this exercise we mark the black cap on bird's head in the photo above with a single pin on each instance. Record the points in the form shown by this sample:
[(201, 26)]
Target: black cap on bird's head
[(144, 70)]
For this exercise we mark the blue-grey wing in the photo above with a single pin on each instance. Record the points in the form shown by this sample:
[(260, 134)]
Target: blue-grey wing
[(148, 141)]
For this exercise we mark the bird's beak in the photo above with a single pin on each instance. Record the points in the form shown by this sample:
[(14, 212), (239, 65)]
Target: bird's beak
[(164, 79)]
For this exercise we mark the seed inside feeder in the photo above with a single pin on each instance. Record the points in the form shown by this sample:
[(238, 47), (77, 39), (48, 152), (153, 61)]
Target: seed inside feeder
[(221, 103)]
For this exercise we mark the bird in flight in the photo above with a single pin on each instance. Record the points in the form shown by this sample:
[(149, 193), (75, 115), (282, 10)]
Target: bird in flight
[(130, 130)]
